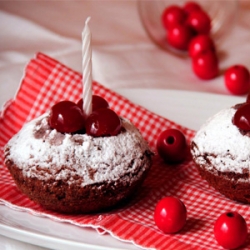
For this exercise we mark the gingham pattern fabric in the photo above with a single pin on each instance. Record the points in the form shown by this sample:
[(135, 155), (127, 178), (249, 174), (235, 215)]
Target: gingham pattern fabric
[(47, 81)]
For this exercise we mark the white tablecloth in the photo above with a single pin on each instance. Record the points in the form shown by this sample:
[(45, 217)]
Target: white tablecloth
[(123, 54)]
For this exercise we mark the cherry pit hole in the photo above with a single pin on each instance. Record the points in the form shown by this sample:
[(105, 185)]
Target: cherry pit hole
[(170, 140), (230, 215)]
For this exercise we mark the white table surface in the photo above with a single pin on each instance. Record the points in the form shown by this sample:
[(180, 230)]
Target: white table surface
[(123, 54)]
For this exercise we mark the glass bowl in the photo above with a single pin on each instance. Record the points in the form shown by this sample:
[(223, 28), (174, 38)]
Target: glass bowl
[(222, 13)]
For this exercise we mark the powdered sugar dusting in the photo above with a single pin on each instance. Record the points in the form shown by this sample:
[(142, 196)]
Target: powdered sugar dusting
[(222, 144), (42, 152)]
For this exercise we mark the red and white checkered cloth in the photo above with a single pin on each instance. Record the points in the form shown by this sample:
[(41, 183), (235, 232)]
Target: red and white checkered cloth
[(46, 81)]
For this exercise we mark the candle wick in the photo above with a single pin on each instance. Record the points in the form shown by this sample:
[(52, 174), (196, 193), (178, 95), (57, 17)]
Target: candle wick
[(87, 20)]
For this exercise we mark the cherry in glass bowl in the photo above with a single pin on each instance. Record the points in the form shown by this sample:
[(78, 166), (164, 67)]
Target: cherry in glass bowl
[(222, 14)]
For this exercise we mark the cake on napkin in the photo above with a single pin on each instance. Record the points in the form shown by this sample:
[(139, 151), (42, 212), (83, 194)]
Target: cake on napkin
[(221, 151), (76, 172)]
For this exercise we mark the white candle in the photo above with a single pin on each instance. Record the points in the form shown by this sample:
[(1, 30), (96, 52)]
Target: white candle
[(87, 68)]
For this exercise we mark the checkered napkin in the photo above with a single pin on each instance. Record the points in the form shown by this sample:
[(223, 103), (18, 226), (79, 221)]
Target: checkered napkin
[(46, 82)]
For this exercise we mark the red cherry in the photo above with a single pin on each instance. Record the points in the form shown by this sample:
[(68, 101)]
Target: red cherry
[(103, 122), (97, 103), (191, 6), (241, 117), (199, 44), (66, 117), (237, 79), (199, 21), (230, 230), (170, 214), (179, 36), (205, 65), (173, 15), (248, 98), (171, 145)]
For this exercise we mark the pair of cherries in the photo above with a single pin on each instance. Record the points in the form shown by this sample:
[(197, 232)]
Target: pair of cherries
[(69, 117), (230, 228)]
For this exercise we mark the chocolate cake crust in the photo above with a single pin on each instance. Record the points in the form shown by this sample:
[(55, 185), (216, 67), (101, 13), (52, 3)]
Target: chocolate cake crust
[(234, 186), (72, 198)]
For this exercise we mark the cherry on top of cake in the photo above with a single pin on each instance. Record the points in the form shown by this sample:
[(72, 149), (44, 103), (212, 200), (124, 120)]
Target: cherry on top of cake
[(241, 118), (69, 117)]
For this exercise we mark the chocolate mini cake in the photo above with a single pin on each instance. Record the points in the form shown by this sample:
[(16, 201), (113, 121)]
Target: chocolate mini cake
[(74, 172), (221, 152)]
